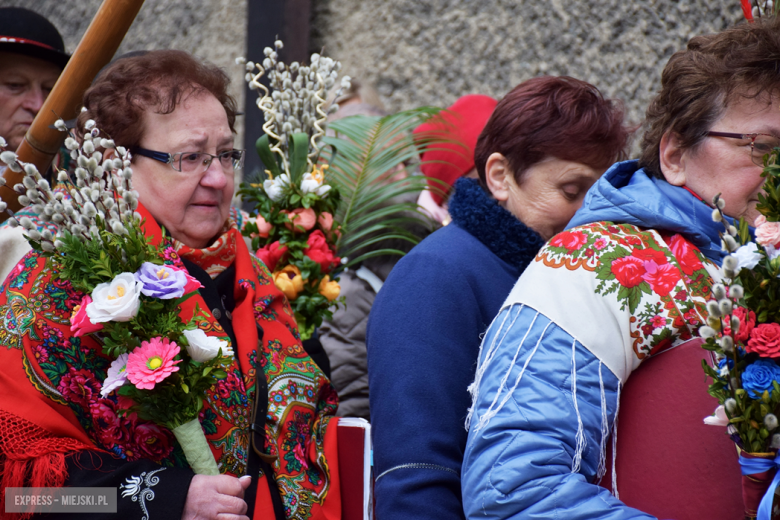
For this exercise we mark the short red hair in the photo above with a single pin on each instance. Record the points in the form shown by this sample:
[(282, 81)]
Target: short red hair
[(155, 80), (551, 116)]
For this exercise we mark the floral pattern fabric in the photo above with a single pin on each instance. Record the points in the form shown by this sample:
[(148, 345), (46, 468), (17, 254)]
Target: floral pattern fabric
[(660, 279), (35, 311)]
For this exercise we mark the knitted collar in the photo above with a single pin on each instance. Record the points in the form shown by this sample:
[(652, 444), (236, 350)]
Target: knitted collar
[(473, 210)]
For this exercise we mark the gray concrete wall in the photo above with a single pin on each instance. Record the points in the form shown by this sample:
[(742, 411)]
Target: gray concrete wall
[(214, 30), (430, 52), (419, 52)]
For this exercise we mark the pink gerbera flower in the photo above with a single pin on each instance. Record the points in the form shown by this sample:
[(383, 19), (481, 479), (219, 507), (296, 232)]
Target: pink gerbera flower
[(152, 362)]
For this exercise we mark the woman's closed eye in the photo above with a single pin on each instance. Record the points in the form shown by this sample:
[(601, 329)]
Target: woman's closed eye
[(571, 191)]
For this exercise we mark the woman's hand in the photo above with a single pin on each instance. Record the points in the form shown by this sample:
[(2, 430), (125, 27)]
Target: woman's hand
[(221, 495)]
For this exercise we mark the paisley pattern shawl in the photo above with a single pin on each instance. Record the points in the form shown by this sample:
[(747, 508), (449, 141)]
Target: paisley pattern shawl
[(50, 383)]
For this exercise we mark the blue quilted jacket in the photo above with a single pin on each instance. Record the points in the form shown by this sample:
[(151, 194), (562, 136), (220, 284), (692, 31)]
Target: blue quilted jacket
[(520, 464)]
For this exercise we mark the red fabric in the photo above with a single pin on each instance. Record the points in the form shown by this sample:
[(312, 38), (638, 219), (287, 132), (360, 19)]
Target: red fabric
[(666, 473), (351, 442), (461, 123), (36, 431)]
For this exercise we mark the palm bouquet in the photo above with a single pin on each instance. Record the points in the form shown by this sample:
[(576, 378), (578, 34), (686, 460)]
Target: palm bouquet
[(132, 290), (742, 330), (314, 216)]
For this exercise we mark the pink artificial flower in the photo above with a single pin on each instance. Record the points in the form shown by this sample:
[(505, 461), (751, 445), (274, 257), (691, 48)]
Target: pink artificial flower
[(325, 220), (192, 283), (302, 218), (759, 220), (263, 226), (768, 234), (79, 321), (152, 362)]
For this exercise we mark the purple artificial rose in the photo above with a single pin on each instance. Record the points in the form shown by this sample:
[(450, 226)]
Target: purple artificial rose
[(161, 281)]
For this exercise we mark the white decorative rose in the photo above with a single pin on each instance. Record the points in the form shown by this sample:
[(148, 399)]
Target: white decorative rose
[(748, 256), (204, 348), (115, 301), (274, 188), (322, 190), (309, 184)]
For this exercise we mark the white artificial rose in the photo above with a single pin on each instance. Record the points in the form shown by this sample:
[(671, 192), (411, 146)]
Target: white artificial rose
[(322, 190), (309, 184), (115, 301), (273, 191), (204, 348)]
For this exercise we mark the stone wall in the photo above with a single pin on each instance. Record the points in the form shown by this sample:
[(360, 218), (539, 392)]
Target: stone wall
[(433, 51), (430, 52), (214, 30)]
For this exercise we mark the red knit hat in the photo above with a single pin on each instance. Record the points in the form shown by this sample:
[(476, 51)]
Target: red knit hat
[(461, 123)]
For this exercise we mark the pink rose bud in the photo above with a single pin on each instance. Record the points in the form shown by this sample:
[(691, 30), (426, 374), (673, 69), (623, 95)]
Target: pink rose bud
[(263, 226), (79, 321), (302, 218), (759, 220), (325, 220)]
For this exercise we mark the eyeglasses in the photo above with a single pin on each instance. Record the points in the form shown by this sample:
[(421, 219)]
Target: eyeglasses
[(194, 162), (760, 144)]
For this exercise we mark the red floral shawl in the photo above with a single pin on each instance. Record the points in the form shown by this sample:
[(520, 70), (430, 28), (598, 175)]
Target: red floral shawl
[(50, 381)]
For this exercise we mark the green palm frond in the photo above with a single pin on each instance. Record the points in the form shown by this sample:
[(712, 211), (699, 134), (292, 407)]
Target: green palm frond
[(368, 151)]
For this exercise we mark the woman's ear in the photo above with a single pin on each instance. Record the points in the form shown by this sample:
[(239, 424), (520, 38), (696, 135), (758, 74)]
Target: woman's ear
[(497, 174), (672, 158)]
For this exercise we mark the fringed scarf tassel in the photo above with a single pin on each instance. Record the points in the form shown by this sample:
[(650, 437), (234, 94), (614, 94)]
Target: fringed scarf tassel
[(40, 464)]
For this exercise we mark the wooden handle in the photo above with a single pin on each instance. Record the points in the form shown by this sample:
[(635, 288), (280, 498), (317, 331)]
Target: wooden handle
[(95, 50)]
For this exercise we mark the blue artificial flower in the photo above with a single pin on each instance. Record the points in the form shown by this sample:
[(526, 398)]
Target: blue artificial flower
[(759, 376)]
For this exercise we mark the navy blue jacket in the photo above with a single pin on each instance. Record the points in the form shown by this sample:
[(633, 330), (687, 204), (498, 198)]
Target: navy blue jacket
[(423, 339)]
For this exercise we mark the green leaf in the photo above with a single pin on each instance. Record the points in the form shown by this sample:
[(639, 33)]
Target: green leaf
[(263, 147), (368, 153), (299, 151)]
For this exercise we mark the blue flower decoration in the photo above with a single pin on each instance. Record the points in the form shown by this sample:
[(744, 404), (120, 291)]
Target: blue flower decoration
[(759, 376)]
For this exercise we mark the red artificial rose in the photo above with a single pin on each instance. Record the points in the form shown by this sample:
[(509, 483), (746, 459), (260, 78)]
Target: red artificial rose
[(628, 271), (271, 254), (662, 278), (571, 240), (745, 325), (685, 254), (79, 321), (320, 252), (765, 340), (648, 255)]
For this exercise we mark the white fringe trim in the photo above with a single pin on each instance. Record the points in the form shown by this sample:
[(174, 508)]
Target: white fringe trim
[(602, 469), (473, 388), (614, 444), (580, 439), (491, 411)]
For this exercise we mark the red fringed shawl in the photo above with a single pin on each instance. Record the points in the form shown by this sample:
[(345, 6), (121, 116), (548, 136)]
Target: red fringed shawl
[(50, 403)]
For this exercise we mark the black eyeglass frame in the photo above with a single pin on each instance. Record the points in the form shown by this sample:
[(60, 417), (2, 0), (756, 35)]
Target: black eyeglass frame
[(170, 158), (759, 161)]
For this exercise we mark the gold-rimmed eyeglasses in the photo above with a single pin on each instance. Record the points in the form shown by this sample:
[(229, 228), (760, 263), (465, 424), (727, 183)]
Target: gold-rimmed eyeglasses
[(760, 144)]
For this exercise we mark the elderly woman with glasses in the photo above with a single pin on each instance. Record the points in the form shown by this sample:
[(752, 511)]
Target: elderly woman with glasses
[(266, 423), (599, 326)]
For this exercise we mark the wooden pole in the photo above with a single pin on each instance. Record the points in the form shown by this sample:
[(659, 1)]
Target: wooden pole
[(95, 50)]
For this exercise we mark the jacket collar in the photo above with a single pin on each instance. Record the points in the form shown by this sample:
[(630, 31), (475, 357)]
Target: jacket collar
[(625, 194), (474, 211)]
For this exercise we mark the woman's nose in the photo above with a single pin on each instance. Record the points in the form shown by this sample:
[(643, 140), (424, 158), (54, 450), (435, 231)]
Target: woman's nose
[(215, 176)]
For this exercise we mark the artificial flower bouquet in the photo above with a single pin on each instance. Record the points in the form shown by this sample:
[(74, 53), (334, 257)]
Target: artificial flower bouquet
[(294, 231), (92, 238), (743, 331)]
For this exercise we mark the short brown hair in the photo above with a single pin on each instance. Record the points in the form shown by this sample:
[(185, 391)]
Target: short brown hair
[(698, 84), (159, 80), (551, 116)]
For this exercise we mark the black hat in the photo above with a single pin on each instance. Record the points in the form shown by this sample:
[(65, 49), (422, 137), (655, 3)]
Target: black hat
[(25, 32)]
